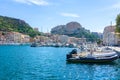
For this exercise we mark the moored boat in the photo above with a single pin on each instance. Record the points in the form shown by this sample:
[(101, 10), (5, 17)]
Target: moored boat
[(92, 57), (34, 45)]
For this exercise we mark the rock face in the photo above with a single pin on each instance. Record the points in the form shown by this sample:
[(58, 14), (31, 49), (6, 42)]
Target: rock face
[(60, 29), (68, 29), (74, 29)]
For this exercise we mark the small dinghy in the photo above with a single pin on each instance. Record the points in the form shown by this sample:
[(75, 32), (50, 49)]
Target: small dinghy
[(92, 56)]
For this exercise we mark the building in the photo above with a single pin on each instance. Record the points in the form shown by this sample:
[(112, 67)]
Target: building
[(63, 39), (110, 37), (16, 37), (25, 38), (2, 38), (78, 41), (36, 29)]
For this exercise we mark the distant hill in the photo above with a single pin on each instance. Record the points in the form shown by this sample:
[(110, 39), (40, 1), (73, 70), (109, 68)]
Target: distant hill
[(8, 24), (98, 35), (74, 29)]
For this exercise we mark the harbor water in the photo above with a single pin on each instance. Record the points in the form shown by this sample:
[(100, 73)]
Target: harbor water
[(49, 63)]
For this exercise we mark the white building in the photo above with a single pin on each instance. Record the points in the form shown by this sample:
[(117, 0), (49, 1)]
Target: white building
[(110, 37), (63, 38), (16, 37), (25, 39)]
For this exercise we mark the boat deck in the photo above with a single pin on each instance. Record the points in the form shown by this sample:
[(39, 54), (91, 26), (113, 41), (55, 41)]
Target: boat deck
[(84, 54)]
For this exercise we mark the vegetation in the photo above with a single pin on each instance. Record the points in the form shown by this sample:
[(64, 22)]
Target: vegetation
[(79, 32), (83, 33), (99, 41), (118, 23), (8, 24)]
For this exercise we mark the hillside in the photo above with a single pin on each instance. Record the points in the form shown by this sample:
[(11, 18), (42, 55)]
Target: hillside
[(74, 29), (8, 24)]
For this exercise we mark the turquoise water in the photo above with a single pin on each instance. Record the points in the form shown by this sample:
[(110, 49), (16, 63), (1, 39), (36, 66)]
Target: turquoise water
[(48, 63)]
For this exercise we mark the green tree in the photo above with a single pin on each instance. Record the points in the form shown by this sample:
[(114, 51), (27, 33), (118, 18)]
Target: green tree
[(8, 24), (118, 23)]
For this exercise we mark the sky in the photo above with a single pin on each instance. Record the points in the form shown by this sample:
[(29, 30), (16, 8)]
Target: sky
[(93, 15)]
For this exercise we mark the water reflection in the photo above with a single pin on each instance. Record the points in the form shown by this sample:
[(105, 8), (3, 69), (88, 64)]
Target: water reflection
[(97, 71)]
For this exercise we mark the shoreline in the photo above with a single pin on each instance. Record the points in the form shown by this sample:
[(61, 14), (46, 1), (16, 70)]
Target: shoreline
[(15, 44)]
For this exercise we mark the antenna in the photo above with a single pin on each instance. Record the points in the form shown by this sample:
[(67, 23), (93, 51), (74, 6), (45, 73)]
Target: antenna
[(41, 29), (47, 30), (111, 23)]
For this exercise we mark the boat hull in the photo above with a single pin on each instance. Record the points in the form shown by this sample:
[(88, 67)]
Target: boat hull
[(93, 60)]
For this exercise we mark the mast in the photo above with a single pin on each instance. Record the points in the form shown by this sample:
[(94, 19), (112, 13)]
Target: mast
[(111, 23)]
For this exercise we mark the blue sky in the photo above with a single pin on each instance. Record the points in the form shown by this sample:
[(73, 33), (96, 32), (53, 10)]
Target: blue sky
[(46, 14)]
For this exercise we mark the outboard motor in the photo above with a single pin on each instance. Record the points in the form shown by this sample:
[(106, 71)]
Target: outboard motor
[(69, 56), (74, 51)]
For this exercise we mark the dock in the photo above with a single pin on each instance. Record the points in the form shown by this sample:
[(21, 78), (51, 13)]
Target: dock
[(116, 49)]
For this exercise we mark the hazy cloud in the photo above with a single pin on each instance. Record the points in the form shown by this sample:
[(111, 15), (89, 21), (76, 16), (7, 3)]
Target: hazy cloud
[(70, 15), (35, 2), (116, 6)]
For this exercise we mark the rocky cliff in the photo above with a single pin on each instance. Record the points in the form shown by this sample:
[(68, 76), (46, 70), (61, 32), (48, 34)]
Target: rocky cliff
[(73, 29), (68, 29), (8, 24)]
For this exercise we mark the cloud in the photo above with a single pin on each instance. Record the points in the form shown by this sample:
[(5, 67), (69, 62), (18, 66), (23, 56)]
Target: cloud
[(116, 6), (35, 2), (70, 15)]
